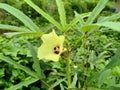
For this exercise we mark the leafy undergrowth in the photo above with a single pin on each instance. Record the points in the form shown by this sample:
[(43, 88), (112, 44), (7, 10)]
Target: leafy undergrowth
[(101, 48), (92, 46)]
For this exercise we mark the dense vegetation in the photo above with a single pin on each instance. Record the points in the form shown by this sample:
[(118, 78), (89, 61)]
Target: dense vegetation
[(92, 43)]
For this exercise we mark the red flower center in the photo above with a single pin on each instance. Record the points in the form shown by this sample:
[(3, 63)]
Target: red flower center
[(57, 49)]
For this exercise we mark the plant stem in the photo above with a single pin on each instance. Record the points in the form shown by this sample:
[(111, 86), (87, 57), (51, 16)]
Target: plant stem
[(85, 59), (46, 84), (68, 73)]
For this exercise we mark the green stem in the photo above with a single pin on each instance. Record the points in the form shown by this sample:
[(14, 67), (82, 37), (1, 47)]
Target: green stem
[(67, 58), (68, 73), (85, 59), (46, 84)]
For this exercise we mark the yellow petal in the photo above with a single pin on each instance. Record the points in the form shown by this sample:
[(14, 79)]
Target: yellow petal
[(52, 38), (53, 57), (44, 50), (47, 49)]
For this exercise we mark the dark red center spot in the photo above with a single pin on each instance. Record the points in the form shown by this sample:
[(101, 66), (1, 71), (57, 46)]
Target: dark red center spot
[(57, 50)]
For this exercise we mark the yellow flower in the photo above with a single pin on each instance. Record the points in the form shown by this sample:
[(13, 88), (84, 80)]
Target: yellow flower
[(51, 47)]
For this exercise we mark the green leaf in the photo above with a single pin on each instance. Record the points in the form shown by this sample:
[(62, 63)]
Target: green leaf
[(19, 66), (76, 19), (86, 28), (81, 21), (2, 71), (85, 14), (11, 34), (56, 83), (96, 11), (115, 60), (92, 78), (93, 88), (114, 87), (61, 86), (21, 16), (72, 23), (13, 28), (34, 88), (103, 76), (113, 17), (74, 82), (21, 84), (100, 56), (45, 15), (112, 25), (35, 60), (62, 13)]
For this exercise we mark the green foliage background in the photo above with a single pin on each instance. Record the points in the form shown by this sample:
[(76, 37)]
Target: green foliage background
[(100, 49)]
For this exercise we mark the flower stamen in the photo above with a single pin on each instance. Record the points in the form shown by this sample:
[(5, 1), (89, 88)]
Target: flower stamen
[(57, 49)]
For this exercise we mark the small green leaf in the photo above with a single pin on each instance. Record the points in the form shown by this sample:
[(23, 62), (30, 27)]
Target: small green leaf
[(86, 28), (115, 60), (21, 84), (56, 83), (103, 76), (74, 82), (61, 86)]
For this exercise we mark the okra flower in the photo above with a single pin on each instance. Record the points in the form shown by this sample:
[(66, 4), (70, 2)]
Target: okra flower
[(51, 47)]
